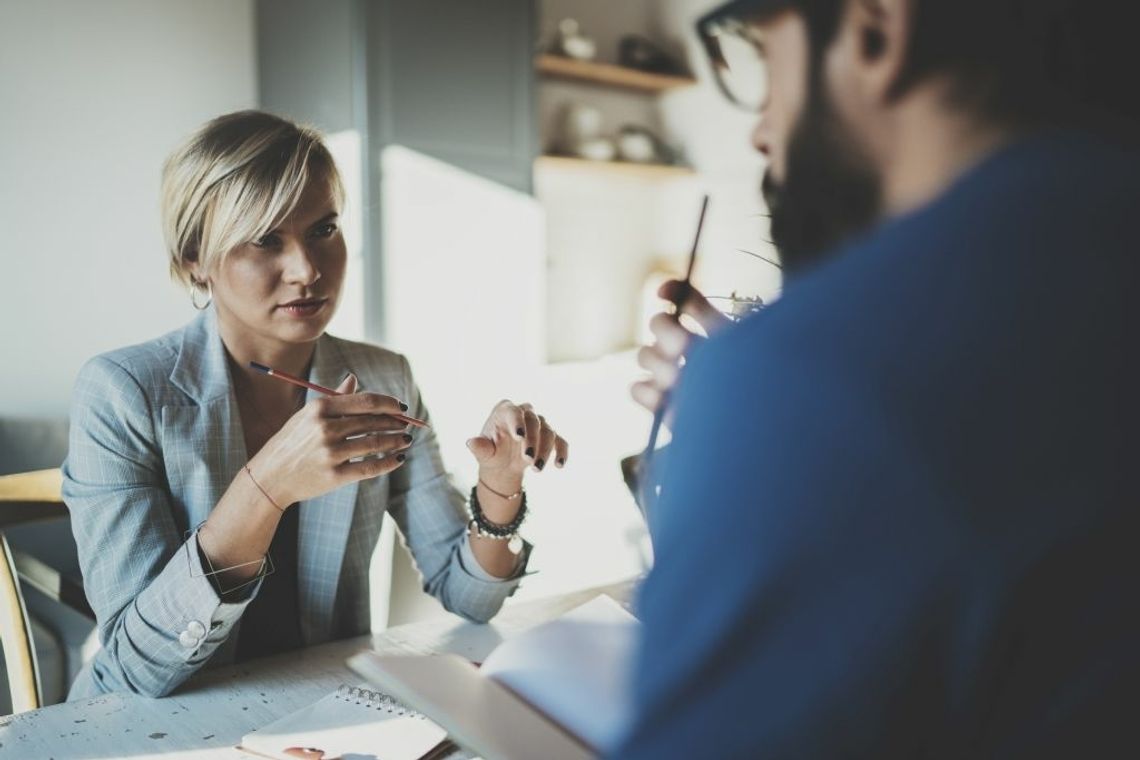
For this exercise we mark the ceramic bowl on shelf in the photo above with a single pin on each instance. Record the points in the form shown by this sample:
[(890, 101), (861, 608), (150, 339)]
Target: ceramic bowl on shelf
[(596, 149)]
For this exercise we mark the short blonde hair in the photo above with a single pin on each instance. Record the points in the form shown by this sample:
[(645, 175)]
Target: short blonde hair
[(233, 181)]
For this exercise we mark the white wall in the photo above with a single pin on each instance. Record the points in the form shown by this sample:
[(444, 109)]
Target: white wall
[(93, 96)]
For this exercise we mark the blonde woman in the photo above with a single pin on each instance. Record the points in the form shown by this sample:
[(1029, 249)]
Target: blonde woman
[(222, 514)]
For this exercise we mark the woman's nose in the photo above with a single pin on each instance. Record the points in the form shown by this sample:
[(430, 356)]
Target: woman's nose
[(300, 267)]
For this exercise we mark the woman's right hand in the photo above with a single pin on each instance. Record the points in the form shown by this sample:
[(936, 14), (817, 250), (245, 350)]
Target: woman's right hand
[(663, 359), (312, 453)]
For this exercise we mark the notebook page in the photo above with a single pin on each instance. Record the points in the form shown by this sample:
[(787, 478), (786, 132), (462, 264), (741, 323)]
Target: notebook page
[(346, 724), (575, 669)]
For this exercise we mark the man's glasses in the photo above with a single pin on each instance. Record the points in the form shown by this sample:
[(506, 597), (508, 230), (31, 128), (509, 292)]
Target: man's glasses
[(737, 58)]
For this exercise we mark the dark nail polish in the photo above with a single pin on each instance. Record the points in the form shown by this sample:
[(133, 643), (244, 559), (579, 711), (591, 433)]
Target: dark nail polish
[(401, 457), (530, 452), (540, 463), (561, 461), (403, 407), (407, 438), (520, 431)]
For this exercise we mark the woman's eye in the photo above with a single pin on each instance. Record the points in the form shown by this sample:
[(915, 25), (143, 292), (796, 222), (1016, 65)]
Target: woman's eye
[(267, 241), (325, 230)]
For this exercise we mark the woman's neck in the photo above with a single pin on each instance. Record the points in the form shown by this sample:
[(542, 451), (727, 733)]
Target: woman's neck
[(290, 358)]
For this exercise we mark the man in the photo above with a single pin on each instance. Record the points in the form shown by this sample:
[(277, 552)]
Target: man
[(899, 512)]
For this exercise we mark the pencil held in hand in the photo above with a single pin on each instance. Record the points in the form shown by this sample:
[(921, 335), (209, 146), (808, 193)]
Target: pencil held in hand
[(327, 391)]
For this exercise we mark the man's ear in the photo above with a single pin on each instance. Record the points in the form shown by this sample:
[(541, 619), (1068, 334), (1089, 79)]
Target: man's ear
[(883, 30)]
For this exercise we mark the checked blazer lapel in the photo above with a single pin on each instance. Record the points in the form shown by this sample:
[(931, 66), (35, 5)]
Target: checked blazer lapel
[(325, 521), (201, 473)]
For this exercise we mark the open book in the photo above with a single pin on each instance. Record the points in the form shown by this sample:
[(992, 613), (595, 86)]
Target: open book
[(558, 691)]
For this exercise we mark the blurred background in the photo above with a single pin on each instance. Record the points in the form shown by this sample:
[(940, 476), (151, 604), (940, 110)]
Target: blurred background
[(522, 175)]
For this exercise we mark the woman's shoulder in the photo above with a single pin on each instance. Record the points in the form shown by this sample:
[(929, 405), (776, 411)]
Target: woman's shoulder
[(145, 364)]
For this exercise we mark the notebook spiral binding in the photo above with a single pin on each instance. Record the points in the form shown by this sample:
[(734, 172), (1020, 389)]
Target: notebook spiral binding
[(373, 699)]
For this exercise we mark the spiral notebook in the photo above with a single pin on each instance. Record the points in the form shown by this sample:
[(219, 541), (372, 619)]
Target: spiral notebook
[(350, 723)]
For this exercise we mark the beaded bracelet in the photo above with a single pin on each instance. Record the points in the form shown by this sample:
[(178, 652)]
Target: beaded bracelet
[(488, 529)]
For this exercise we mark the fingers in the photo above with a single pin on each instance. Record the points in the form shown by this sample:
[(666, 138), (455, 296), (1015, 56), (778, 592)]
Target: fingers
[(358, 403), (370, 468), (338, 428), (516, 435), (483, 448), (546, 438), (694, 304), (663, 369), (532, 437), (551, 446), (671, 337), (561, 451), (348, 384), (514, 418), (369, 445), (529, 437), (646, 393)]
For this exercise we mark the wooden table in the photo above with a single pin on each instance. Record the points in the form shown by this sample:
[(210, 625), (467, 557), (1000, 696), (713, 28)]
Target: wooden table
[(208, 716)]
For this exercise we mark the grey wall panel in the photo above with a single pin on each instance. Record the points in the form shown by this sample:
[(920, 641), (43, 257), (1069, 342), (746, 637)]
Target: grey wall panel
[(306, 68), (454, 79)]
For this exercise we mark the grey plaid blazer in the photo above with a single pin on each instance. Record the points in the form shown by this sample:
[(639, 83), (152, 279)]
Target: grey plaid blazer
[(155, 441)]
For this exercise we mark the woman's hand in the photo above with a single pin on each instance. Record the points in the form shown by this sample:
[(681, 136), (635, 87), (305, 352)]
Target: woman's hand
[(514, 438), (314, 451), (664, 358)]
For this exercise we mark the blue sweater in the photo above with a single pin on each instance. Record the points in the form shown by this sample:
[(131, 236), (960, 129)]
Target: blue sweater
[(899, 517)]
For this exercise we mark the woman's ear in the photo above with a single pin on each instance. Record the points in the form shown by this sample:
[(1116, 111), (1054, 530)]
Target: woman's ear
[(195, 270)]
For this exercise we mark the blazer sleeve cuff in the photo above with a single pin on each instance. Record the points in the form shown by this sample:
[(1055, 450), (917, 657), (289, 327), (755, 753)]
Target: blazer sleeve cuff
[(469, 564), (194, 615)]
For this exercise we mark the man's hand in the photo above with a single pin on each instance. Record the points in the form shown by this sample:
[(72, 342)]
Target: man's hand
[(663, 359)]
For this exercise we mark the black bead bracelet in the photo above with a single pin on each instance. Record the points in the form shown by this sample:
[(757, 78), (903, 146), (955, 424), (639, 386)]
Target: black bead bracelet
[(494, 530)]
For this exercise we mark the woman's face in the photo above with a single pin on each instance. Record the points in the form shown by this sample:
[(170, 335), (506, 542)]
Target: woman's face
[(284, 288)]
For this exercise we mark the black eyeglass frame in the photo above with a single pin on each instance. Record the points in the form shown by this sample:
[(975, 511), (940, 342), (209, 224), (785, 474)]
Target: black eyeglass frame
[(730, 19)]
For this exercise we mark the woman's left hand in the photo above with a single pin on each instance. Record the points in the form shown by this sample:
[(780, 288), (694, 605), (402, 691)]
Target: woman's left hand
[(514, 438)]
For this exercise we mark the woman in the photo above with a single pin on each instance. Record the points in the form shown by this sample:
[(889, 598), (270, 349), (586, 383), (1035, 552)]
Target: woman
[(221, 513)]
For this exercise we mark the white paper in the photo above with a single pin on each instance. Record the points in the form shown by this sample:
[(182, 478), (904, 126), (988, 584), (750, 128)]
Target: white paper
[(345, 728), (575, 669)]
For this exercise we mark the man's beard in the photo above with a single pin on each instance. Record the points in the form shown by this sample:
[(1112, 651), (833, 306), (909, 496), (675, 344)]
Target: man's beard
[(831, 190)]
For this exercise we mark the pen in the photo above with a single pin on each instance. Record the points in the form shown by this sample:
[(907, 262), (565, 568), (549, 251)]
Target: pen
[(687, 284), (645, 474), (327, 391)]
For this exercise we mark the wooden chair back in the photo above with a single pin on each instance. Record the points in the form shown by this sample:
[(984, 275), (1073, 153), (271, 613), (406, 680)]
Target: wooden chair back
[(24, 497)]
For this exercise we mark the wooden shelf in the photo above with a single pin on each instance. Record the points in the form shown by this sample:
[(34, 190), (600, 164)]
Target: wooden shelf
[(624, 168), (608, 74)]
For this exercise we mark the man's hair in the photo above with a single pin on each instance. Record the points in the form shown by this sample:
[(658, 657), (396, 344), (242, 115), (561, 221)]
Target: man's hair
[(1018, 62), (1027, 61)]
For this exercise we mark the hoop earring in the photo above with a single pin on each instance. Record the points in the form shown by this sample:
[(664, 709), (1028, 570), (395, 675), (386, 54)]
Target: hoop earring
[(196, 288)]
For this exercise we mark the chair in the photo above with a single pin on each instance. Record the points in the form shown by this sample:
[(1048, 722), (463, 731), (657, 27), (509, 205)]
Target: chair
[(24, 498)]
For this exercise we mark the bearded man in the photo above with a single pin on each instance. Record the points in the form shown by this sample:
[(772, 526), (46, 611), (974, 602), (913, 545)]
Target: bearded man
[(900, 506)]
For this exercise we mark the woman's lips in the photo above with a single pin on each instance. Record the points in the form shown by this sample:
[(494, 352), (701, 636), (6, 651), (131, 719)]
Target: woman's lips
[(305, 307)]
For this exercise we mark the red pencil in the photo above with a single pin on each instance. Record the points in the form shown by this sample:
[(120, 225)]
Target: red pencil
[(327, 391)]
